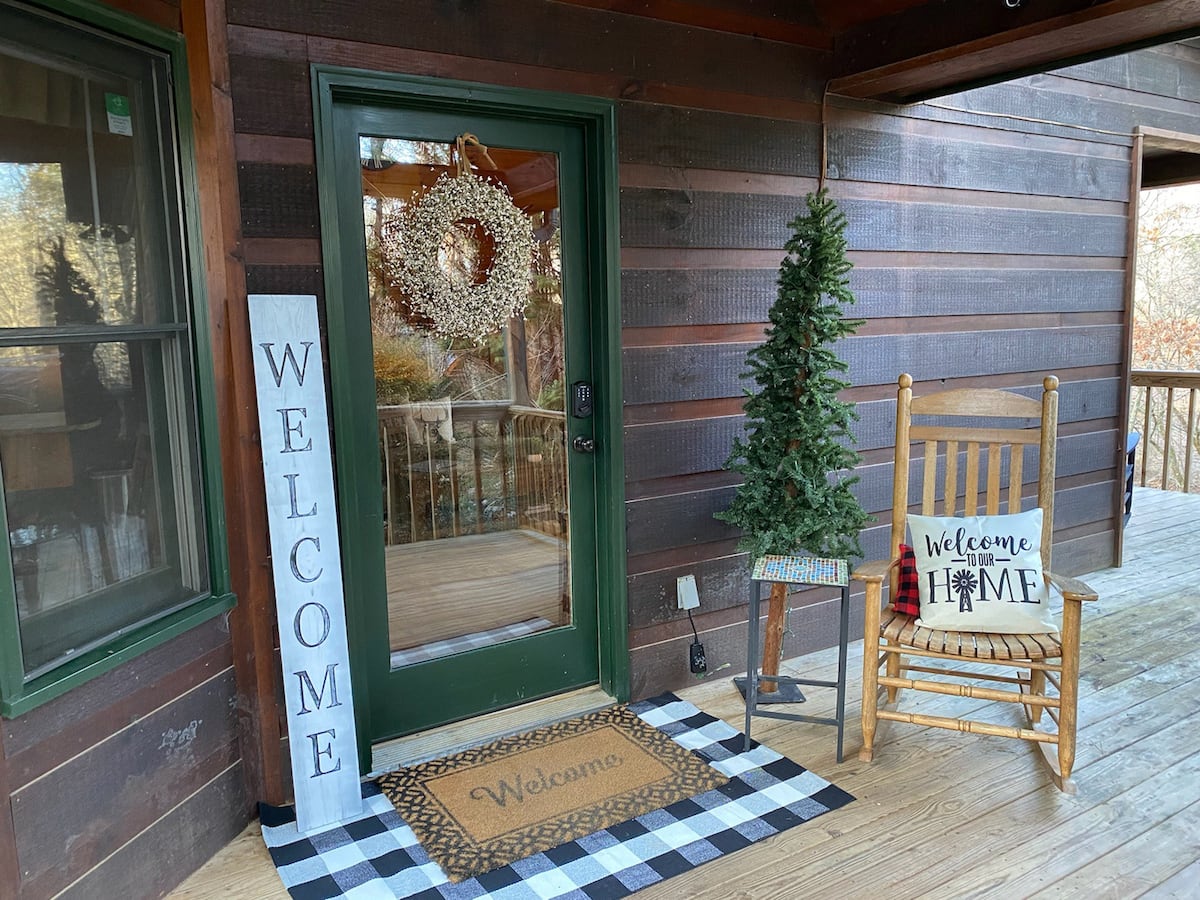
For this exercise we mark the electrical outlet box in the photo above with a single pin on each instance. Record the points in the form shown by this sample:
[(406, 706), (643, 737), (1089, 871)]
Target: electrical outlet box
[(685, 591)]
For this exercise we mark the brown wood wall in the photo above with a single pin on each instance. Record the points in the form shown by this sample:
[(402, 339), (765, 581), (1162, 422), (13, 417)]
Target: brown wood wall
[(124, 785), (989, 249)]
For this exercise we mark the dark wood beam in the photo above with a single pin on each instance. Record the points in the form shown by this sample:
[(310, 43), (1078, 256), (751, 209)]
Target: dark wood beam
[(1159, 139), (771, 27), (1168, 158), (838, 15), (949, 45), (1170, 169)]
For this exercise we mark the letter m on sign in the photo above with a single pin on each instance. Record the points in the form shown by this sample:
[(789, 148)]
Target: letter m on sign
[(308, 692)]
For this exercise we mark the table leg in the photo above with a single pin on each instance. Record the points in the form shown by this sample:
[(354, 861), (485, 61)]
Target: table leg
[(841, 688), (752, 660)]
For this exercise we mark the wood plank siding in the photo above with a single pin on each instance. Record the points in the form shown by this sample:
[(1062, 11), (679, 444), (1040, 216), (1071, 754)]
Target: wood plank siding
[(983, 246), (988, 231), (120, 764)]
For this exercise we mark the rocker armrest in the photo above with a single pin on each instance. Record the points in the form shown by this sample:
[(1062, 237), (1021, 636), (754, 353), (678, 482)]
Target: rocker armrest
[(1071, 588), (874, 570)]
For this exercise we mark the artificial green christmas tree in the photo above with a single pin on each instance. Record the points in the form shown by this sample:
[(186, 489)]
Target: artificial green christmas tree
[(796, 458)]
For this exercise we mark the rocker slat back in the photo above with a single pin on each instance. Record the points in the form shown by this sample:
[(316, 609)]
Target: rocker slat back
[(966, 425)]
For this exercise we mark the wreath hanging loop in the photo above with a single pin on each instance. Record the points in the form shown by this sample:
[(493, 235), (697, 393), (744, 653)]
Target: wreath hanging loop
[(463, 251), (462, 161)]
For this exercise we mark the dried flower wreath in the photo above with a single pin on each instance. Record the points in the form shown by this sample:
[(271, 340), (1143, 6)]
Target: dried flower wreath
[(464, 308)]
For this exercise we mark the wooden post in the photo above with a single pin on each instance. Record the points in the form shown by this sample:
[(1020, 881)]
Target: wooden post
[(252, 622), (773, 638)]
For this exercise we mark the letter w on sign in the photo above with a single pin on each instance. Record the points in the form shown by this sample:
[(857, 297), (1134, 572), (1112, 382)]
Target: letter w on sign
[(306, 558)]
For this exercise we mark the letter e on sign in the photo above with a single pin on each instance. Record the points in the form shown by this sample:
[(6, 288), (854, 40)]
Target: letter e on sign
[(289, 376)]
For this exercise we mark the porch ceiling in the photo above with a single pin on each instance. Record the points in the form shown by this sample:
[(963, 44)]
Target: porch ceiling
[(908, 50)]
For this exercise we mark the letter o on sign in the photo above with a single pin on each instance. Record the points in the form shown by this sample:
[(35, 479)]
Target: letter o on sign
[(298, 624)]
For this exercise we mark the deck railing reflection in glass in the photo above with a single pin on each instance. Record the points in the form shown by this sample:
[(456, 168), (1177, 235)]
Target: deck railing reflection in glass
[(471, 467)]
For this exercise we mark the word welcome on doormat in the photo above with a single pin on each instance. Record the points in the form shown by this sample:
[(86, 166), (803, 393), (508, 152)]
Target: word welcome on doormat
[(490, 805), (521, 786), (378, 855)]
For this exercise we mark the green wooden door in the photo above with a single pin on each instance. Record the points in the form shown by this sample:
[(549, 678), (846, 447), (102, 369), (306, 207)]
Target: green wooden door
[(472, 469)]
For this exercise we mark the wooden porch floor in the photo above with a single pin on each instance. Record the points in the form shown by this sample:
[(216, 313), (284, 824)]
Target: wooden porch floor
[(949, 815)]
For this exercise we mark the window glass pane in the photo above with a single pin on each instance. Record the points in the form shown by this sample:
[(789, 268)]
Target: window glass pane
[(76, 149), (99, 461), (95, 491)]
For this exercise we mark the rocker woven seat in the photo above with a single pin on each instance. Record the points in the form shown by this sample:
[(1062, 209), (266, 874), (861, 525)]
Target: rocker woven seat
[(902, 629)]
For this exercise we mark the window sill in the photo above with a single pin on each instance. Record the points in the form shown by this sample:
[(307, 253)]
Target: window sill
[(56, 683)]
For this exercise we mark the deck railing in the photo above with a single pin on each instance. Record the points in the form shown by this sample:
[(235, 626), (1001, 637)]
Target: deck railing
[(540, 445), (471, 467), (1163, 405)]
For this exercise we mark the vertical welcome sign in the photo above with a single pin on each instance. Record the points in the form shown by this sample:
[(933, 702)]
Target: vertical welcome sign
[(306, 558)]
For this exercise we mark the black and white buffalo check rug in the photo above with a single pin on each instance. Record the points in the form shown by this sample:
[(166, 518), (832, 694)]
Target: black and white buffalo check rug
[(377, 857)]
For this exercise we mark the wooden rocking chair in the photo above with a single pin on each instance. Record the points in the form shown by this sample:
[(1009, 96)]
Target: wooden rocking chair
[(907, 652)]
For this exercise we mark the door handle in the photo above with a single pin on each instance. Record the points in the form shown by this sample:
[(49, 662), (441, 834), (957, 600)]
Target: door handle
[(583, 444)]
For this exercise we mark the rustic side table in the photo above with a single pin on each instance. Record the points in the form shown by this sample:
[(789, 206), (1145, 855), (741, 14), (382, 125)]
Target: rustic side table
[(797, 570)]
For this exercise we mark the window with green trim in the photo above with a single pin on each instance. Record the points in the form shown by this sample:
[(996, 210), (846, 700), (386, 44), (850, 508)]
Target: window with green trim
[(103, 494)]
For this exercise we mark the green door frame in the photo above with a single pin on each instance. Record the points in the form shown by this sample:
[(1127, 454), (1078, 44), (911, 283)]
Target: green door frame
[(596, 117)]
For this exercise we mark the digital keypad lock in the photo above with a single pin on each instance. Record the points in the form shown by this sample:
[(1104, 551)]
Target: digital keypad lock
[(581, 400)]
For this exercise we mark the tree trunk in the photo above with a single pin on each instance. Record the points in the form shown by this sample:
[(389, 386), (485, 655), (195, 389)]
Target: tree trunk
[(773, 641), (517, 352)]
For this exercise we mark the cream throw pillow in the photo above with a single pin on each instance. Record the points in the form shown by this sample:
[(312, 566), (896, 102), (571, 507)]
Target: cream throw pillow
[(982, 573)]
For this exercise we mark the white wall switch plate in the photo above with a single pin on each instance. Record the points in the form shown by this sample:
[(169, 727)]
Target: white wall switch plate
[(685, 591)]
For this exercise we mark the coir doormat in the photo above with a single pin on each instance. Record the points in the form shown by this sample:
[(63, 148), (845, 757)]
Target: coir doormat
[(378, 856), (494, 804)]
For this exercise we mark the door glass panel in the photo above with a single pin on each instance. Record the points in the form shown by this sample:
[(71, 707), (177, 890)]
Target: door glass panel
[(471, 433)]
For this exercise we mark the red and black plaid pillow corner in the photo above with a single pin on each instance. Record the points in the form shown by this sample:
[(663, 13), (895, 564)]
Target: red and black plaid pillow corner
[(907, 600)]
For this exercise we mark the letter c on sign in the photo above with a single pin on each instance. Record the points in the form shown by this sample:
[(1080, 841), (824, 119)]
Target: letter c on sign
[(324, 624), (316, 542)]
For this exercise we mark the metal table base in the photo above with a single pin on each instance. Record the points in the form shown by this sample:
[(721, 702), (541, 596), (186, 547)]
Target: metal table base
[(754, 678)]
